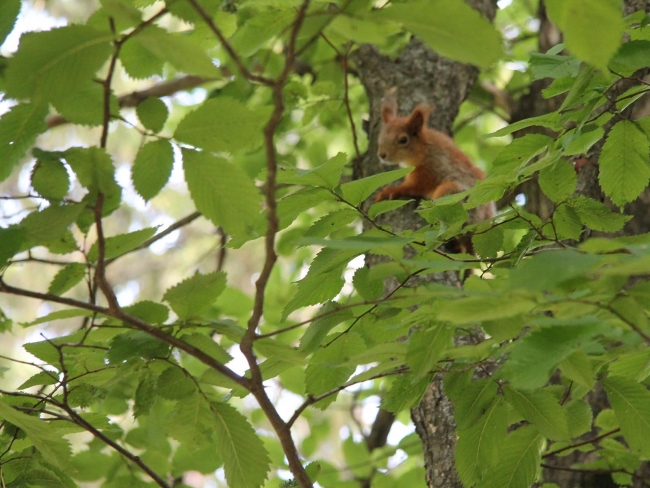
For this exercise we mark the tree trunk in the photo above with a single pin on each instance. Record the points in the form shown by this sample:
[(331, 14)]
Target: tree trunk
[(420, 75)]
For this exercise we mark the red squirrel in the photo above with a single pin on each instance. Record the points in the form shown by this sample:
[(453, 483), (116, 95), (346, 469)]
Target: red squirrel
[(441, 168)]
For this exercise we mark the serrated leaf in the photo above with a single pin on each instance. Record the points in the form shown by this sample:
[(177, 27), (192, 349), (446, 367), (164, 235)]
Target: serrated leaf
[(477, 308), (472, 400), (18, 131), (630, 57), (579, 417), (134, 345), (542, 410), (59, 315), (222, 124), (152, 168), (597, 215), (41, 68), (50, 179), (634, 365), (425, 348), (577, 367), (152, 312), (117, 245), (324, 372), (385, 206), (363, 30), (631, 403), (222, 192), (194, 296), (405, 393), (324, 279), (551, 269), (9, 10), (293, 205), (332, 222), (478, 447), (191, 420), (582, 142), (138, 61), (567, 223), (546, 120), (46, 439), (145, 395), (624, 166), (534, 357), (553, 66), (326, 175), (246, 462), (181, 52), (451, 28), (320, 327), (487, 244), (579, 19), (49, 224), (208, 346), (518, 461), (173, 384), (95, 171), (368, 288), (42, 378), (66, 278), (357, 191), (152, 113), (558, 181)]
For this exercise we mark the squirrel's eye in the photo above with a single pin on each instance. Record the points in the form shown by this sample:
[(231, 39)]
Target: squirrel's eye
[(403, 140)]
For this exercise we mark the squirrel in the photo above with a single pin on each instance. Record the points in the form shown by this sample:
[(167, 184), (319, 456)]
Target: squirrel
[(441, 168)]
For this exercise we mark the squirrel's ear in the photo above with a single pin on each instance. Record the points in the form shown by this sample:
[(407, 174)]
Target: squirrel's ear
[(388, 109), (418, 119)]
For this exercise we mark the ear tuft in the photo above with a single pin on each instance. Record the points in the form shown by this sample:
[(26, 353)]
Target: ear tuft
[(418, 119), (388, 107)]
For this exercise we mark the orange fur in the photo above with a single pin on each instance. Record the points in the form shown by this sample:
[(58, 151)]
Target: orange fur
[(441, 168)]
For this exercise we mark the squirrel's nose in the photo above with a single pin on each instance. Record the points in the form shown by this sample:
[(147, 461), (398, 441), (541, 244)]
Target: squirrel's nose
[(382, 154)]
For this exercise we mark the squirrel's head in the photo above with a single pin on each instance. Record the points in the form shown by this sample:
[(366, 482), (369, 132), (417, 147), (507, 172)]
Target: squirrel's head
[(401, 137)]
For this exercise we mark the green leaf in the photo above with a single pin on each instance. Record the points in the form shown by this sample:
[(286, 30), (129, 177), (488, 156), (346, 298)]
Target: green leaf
[(135, 345), (332, 222), (139, 63), (324, 279), (222, 192), (145, 395), (487, 244), (518, 461), (246, 461), (579, 417), (546, 120), (630, 57), (357, 191), (405, 393), (596, 215), (425, 348), (46, 439), (472, 400), (324, 372), (42, 378), (59, 315), (363, 30), (191, 421), (479, 446), (152, 113), (319, 328), (66, 278), (50, 179), (450, 27), (567, 223), (580, 19), (519, 152), (553, 66), (152, 168), (558, 181), (42, 66), (631, 403), (542, 410), (194, 296), (9, 10), (535, 356), (222, 124), (208, 346), (181, 52), (488, 307), (49, 224), (368, 288), (152, 312), (634, 365), (581, 143), (293, 205), (326, 175), (577, 367), (117, 245), (18, 131), (174, 384), (624, 166)]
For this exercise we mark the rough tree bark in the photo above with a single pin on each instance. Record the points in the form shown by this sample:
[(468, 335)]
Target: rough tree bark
[(420, 75)]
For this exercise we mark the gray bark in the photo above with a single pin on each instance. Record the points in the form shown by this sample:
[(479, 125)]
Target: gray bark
[(420, 75)]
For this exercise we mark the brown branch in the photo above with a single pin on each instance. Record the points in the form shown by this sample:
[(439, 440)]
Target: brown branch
[(229, 49), (175, 226), (100, 268), (107, 88), (583, 443), (135, 323)]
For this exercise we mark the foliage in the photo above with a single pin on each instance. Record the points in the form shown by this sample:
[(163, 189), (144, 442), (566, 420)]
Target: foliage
[(548, 314)]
